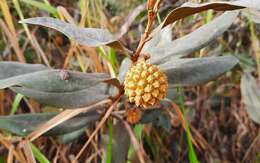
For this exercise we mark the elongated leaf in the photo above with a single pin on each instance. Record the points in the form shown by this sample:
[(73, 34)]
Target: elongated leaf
[(120, 143), (197, 71), (71, 100), (160, 37), (188, 9), (10, 69), (24, 124), (250, 91), (54, 80), (192, 42), (69, 137), (84, 36), (157, 117)]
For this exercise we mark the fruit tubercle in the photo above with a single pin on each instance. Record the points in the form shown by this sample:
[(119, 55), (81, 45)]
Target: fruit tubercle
[(145, 84)]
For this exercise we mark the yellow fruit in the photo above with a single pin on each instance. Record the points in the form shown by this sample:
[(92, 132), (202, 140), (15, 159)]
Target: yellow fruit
[(145, 84)]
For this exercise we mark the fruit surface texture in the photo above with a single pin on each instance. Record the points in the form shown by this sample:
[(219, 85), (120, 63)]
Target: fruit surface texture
[(145, 84)]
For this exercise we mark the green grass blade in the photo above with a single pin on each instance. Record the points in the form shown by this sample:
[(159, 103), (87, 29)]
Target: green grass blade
[(191, 152), (138, 130), (43, 6), (16, 103), (110, 143), (38, 155), (112, 58), (2, 159)]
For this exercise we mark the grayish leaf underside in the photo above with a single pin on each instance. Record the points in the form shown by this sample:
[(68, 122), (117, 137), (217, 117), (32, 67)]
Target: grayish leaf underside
[(161, 50), (84, 36), (10, 69), (69, 137), (49, 80), (198, 70), (251, 96), (59, 88), (125, 65)]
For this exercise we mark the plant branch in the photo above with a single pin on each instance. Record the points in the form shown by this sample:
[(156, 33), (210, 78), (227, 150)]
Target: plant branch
[(100, 124), (152, 8)]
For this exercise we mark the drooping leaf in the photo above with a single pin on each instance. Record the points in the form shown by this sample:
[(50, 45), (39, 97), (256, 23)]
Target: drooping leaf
[(157, 117), (125, 65), (196, 71), (160, 37), (85, 36), (71, 100), (188, 9), (53, 80), (192, 42), (69, 137), (24, 124), (250, 91), (10, 69), (120, 143)]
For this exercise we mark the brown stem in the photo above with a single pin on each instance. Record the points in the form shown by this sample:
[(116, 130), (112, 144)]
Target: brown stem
[(152, 8)]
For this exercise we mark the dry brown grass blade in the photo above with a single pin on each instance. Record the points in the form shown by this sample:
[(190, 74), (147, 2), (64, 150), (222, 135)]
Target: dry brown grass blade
[(64, 14), (19, 157), (137, 147), (183, 122), (100, 124), (7, 15), (130, 19), (255, 142), (84, 13), (10, 156), (93, 55), (13, 40), (31, 37), (2, 97), (28, 151), (69, 54), (60, 118)]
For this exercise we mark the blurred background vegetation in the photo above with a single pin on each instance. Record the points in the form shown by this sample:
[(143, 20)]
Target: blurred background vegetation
[(218, 119)]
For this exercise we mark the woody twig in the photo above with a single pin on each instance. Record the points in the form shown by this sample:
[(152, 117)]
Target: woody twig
[(152, 8)]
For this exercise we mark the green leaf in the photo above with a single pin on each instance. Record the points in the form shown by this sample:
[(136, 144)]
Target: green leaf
[(69, 137), (70, 100), (157, 117), (16, 103), (60, 88), (197, 71), (201, 37), (85, 36), (2, 159), (54, 80), (250, 91), (46, 7), (24, 124), (38, 155)]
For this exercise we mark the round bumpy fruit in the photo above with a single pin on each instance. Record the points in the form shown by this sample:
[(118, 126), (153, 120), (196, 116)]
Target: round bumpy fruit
[(145, 84)]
